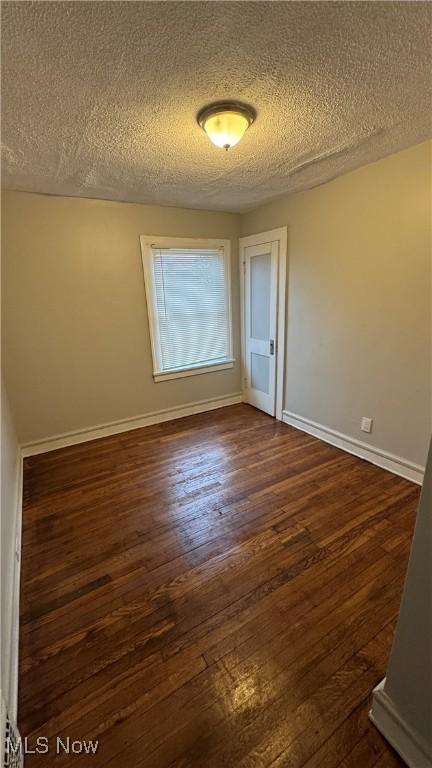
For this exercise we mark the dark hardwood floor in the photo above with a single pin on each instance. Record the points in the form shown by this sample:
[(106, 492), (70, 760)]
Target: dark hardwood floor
[(215, 591)]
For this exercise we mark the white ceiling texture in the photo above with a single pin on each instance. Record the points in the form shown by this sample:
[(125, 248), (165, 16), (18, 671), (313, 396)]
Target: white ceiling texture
[(100, 98)]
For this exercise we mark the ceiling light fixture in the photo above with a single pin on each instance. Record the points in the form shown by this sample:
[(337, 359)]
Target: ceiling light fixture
[(226, 122)]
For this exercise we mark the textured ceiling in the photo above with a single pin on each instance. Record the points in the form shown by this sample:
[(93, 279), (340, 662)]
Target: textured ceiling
[(100, 98)]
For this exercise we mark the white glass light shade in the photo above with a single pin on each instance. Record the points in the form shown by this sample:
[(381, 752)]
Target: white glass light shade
[(226, 130), (226, 124)]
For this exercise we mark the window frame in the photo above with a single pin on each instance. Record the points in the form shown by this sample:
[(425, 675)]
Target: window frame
[(147, 242)]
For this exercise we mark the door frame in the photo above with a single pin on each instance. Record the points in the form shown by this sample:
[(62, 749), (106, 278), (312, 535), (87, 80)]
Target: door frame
[(272, 235)]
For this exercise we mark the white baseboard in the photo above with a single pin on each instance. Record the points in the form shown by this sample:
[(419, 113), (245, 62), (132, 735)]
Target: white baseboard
[(12, 609), (407, 743), (383, 459), (125, 425)]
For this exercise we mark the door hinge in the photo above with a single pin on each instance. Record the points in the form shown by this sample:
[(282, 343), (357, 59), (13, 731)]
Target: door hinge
[(272, 347)]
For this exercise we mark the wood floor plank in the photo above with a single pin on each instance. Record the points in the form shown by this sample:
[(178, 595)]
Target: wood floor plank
[(220, 590)]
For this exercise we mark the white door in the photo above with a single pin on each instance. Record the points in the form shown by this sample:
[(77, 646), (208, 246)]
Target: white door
[(260, 324)]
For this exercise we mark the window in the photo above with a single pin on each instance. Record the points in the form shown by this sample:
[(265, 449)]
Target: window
[(188, 300)]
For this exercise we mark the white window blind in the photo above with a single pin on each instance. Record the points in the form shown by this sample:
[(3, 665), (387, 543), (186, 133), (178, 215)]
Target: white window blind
[(189, 304)]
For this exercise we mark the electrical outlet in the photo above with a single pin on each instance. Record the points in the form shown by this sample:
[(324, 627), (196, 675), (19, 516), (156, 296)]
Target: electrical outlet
[(366, 424)]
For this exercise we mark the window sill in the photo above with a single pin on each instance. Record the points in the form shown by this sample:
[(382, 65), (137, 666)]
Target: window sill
[(180, 374)]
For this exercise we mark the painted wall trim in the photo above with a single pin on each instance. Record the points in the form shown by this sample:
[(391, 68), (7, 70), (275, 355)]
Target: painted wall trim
[(383, 459), (125, 425), (407, 743), (13, 607)]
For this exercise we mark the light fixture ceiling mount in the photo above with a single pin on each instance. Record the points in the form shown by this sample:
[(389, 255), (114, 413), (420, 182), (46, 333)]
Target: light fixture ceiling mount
[(226, 122)]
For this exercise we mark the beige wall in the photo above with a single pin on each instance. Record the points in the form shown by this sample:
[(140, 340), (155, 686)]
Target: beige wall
[(409, 676), (359, 301), (76, 341), (10, 529)]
